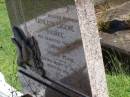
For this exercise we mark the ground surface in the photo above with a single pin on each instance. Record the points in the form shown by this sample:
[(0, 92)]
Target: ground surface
[(7, 49), (119, 85)]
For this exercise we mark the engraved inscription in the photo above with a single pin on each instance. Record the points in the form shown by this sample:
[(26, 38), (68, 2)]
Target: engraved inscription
[(55, 30)]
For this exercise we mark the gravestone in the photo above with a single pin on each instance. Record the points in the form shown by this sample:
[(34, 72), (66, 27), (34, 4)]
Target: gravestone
[(55, 29)]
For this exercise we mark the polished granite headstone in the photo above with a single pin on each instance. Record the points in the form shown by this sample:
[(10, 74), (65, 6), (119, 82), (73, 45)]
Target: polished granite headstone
[(55, 26)]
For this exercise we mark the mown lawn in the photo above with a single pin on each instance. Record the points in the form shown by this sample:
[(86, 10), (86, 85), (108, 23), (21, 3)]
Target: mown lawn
[(119, 85)]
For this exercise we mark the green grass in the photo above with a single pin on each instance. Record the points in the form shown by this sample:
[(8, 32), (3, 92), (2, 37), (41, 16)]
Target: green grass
[(119, 78), (7, 51), (118, 84)]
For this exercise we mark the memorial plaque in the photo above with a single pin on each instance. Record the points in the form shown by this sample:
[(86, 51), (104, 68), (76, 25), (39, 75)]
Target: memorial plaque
[(60, 42)]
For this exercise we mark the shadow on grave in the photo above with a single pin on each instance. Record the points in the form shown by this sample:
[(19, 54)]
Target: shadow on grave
[(114, 26)]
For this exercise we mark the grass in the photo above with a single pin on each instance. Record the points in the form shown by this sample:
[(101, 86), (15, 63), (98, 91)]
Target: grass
[(119, 78), (7, 51), (118, 75), (118, 83)]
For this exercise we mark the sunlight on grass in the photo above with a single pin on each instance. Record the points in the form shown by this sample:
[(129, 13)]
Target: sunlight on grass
[(7, 51), (118, 78), (119, 85)]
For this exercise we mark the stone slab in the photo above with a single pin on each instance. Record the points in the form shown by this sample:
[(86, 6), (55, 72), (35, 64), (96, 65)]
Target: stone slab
[(119, 41), (55, 25)]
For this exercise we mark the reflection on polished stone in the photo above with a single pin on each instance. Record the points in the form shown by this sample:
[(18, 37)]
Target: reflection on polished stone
[(54, 24)]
